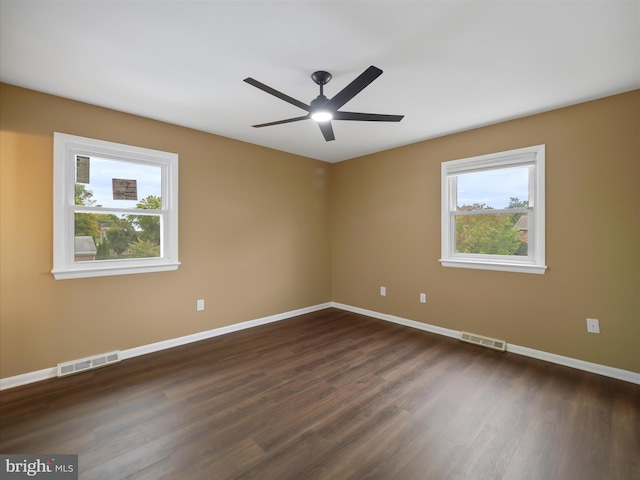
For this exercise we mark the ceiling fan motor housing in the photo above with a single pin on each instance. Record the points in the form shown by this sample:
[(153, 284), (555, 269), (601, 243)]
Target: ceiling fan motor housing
[(318, 102)]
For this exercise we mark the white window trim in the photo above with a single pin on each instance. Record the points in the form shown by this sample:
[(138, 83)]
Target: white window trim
[(535, 261), (66, 147)]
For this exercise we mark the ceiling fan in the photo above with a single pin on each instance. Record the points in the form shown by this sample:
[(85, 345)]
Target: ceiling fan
[(323, 109)]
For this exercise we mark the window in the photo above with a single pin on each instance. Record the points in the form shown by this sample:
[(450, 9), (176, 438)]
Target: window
[(115, 209), (493, 211)]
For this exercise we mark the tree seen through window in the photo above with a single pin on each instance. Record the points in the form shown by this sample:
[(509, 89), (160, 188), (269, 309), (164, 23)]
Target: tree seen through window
[(490, 233), (119, 236)]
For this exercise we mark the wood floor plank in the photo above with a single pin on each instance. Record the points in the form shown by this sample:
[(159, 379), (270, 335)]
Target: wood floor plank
[(331, 395)]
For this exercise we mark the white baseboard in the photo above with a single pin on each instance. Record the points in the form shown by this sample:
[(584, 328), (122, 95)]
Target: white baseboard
[(617, 373), (402, 321), (604, 370), (32, 377), (196, 337)]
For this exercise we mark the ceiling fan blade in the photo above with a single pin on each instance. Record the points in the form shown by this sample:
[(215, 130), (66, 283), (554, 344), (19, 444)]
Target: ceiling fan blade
[(367, 117), (355, 87), (327, 130), (279, 122), (276, 93)]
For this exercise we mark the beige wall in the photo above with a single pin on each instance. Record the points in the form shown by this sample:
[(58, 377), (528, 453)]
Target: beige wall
[(386, 231), (254, 238), (260, 234)]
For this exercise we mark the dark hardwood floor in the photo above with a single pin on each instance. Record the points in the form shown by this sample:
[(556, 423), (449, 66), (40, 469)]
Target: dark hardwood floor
[(331, 395)]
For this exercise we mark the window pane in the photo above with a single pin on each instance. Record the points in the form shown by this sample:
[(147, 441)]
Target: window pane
[(103, 182), (105, 236), (497, 188), (505, 234)]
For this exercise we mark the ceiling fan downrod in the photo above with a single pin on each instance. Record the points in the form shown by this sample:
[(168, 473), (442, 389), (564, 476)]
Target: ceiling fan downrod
[(321, 78)]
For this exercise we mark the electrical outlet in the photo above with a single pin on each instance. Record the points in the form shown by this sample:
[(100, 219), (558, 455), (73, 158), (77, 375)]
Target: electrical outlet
[(383, 291), (423, 298), (199, 305), (593, 325)]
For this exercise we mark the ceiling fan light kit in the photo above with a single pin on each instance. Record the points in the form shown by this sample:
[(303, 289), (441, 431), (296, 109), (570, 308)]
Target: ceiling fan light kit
[(323, 109), (321, 116)]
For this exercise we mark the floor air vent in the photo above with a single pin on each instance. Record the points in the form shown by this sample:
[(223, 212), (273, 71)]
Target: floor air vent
[(77, 366), (483, 341)]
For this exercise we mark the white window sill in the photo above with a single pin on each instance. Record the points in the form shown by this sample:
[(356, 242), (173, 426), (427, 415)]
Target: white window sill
[(112, 270), (501, 267)]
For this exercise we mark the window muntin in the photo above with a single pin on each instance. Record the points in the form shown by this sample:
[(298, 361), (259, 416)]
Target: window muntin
[(493, 211), (115, 208)]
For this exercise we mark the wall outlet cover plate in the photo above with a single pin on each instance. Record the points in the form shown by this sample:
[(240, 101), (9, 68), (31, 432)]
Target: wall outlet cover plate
[(593, 326)]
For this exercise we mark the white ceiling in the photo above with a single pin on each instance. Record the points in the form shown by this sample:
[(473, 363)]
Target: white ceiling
[(448, 65)]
